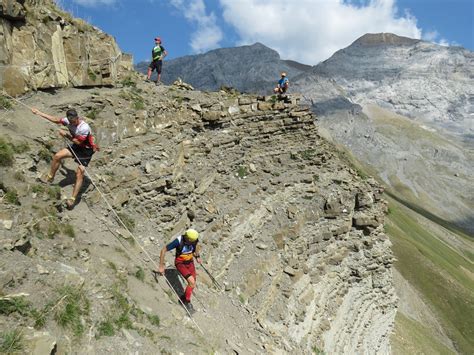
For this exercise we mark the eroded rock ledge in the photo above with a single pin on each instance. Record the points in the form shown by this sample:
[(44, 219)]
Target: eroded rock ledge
[(290, 230)]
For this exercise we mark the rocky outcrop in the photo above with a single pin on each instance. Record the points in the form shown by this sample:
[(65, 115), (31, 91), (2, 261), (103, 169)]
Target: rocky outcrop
[(402, 105), (255, 69), (42, 47), (291, 232)]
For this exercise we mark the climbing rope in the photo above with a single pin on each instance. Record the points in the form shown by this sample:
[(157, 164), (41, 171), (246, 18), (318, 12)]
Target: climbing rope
[(112, 59), (118, 218)]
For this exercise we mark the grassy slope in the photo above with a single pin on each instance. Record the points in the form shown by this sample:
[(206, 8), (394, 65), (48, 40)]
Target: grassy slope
[(442, 275), (413, 338), (438, 273)]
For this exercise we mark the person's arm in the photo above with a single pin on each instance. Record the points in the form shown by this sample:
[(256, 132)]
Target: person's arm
[(161, 268), (197, 254), (165, 53), (50, 118)]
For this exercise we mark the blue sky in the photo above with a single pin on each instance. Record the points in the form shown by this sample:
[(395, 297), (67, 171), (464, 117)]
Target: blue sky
[(308, 31)]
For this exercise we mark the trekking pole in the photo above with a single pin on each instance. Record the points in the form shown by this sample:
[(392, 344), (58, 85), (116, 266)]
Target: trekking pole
[(212, 278), (194, 295), (120, 220), (155, 275)]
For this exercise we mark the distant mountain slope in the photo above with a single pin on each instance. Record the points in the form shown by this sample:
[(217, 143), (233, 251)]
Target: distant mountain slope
[(426, 151), (254, 68), (418, 79)]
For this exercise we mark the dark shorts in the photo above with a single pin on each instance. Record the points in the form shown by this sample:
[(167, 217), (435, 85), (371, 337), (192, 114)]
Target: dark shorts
[(156, 64), (186, 269), (80, 154)]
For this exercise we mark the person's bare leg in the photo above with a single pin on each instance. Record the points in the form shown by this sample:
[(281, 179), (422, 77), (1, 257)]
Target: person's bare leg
[(190, 287), (62, 154), (149, 74), (79, 180)]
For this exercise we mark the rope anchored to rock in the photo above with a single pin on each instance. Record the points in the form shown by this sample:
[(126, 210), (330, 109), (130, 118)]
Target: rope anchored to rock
[(117, 216)]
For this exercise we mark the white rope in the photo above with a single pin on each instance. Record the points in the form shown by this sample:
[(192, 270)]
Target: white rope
[(119, 219), (112, 59)]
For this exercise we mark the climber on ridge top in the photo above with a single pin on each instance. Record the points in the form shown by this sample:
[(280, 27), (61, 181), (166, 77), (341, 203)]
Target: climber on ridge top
[(158, 53), (82, 148), (187, 248), (282, 85)]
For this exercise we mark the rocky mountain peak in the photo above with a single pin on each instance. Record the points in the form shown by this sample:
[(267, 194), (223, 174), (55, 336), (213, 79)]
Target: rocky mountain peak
[(377, 39)]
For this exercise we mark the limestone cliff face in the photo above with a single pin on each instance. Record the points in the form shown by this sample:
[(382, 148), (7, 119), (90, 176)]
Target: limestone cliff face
[(292, 233), (42, 47)]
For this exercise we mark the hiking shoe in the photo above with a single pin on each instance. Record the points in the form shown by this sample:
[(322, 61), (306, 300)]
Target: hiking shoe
[(147, 80), (190, 308), (46, 179), (70, 202), (187, 304)]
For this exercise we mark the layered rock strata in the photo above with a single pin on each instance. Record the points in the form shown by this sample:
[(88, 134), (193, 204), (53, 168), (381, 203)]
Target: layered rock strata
[(291, 232)]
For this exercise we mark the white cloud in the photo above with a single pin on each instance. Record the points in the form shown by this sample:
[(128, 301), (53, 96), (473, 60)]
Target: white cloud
[(312, 30), (208, 34), (434, 36), (94, 3)]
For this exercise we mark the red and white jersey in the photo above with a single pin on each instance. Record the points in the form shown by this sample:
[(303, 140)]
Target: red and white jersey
[(81, 132)]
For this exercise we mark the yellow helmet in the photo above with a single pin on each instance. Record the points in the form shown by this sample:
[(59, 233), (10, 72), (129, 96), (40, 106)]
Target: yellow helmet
[(191, 235), (283, 74)]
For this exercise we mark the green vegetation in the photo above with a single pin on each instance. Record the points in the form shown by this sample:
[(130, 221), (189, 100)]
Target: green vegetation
[(441, 274), (38, 188), (140, 274), (45, 154), (11, 342), (121, 313), (128, 82), (73, 307), (91, 74), (242, 172), (411, 337), (19, 176), (48, 224), (133, 95), (14, 305), (20, 148), (153, 319), (106, 327), (317, 351), (307, 154), (432, 217), (6, 153), (68, 230), (11, 197), (5, 103), (54, 192), (39, 317), (128, 221), (138, 103), (92, 113), (112, 265), (8, 149)]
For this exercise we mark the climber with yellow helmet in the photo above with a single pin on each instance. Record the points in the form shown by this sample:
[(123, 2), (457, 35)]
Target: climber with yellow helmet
[(187, 249)]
